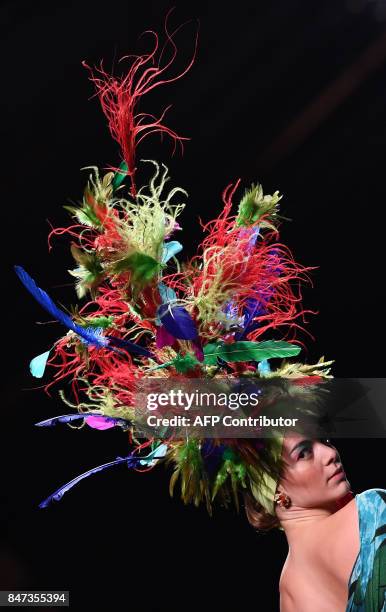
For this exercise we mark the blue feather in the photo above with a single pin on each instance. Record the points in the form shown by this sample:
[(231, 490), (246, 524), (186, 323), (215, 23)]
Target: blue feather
[(263, 367), (131, 460), (177, 321), (58, 494), (167, 293), (89, 335), (252, 309), (131, 347), (68, 418), (170, 249), (156, 454), (252, 233)]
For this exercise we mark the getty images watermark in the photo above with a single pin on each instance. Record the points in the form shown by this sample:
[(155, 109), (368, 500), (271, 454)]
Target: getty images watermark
[(203, 400), (206, 408), (253, 408)]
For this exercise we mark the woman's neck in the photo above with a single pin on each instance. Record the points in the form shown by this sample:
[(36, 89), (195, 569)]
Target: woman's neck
[(299, 523)]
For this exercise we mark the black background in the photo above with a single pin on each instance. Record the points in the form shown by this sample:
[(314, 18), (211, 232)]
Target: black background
[(288, 93)]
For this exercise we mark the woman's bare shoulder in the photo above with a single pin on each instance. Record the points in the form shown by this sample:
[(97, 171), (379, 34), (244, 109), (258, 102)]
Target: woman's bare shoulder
[(287, 601), (305, 590), (324, 565), (288, 586), (335, 544), (287, 604)]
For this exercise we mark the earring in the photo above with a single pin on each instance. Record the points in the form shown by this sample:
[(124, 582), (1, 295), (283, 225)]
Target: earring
[(282, 500)]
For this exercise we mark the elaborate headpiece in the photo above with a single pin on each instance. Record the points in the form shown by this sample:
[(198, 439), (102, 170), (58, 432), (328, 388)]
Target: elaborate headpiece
[(146, 315)]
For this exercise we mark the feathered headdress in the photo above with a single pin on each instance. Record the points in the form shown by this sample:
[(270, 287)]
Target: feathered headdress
[(143, 314)]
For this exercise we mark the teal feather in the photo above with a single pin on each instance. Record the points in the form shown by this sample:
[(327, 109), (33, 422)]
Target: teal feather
[(38, 364)]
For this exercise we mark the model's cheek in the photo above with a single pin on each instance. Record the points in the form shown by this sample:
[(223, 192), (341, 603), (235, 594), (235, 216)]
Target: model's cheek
[(301, 484), (307, 475)]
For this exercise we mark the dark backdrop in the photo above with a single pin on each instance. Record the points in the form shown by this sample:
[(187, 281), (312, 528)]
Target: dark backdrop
[(288, 93)]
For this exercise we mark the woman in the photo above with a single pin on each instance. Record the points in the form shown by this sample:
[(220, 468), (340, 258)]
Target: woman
[(337, 543)]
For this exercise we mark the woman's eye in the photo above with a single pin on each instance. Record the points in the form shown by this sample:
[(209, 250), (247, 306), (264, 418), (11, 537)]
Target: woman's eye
[(303, 453)]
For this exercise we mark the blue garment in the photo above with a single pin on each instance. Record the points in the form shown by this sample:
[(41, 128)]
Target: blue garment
[(367, 584)]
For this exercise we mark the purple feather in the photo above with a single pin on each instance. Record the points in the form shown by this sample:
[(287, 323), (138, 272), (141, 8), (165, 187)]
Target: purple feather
[(58, 494), (90, 336), (131, 460), (131, 347), (68, 418), (254, 307), (177, 321), (164, 338), (197, 348)]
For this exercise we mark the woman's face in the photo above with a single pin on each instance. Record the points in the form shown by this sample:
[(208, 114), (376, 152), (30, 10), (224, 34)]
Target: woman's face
[(310, 475)]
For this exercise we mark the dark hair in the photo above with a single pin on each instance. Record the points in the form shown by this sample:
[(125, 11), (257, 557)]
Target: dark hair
[(257, 516)]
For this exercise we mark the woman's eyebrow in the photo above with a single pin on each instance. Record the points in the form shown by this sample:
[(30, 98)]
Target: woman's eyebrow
[(299, 444)]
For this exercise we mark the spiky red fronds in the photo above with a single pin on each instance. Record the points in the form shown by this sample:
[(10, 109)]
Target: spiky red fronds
[(84, 234), (68, 364), (231, 267), (112, 370), (119, 97)]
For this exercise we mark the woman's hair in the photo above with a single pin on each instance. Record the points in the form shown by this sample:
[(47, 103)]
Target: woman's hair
[(257, 516)]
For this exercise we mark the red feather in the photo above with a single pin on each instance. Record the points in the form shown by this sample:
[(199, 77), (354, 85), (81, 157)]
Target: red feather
[(119, 97)]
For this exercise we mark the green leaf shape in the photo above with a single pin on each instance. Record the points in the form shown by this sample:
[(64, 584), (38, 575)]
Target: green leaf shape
[(234, 468), (255, 204), (119, 177), (90, 272), (190, 469), (85, 215), (210, 353), (376, 586), (249, 351), (143, 268), (88, 260)]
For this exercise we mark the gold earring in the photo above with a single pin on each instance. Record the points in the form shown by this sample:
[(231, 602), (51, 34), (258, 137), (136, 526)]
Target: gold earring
[(282, 500)]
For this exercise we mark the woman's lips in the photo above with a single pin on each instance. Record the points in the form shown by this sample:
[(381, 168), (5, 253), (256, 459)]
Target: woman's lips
[(339, 474)]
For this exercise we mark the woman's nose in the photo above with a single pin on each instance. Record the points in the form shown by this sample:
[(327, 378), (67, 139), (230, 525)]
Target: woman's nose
[(331, 454)]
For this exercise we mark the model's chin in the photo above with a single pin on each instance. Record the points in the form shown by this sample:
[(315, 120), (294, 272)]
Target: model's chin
[(343, 482), (344, 486)]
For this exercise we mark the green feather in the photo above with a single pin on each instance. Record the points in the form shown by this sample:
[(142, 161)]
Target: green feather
[(184, 363), (89, 273), (119, 177), (255, 204), (249, 351), (210, 353), (376, 586), (85, 215), (143, 268)]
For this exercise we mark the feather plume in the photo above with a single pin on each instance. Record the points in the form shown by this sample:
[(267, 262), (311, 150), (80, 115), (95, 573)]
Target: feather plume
[(177, 321), (90, 336), (68, 418)]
